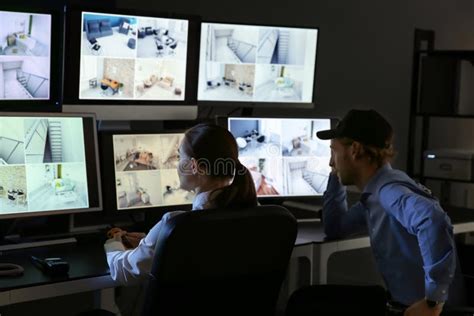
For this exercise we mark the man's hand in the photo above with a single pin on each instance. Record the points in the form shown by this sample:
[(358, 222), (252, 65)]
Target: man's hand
[(421, 308)]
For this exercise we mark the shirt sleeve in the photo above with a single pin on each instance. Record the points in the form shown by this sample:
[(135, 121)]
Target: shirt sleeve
[(423, 216), (338, 219), (134, 265)]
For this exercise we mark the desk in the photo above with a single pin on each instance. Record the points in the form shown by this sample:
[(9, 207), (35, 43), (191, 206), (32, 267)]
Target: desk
[(311, 244), (88, 272)]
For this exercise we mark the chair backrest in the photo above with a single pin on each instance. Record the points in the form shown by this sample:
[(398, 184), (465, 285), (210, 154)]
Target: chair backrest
[(223, 261)]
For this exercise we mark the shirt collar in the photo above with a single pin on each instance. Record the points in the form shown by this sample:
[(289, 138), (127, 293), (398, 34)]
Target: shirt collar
[(372, 185), (201, 200)]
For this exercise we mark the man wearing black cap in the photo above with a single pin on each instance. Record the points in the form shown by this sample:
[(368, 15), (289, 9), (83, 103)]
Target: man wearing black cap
[(411, 236)]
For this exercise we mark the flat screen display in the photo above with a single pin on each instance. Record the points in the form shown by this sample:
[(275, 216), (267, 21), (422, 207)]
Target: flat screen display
[(284, 156), (246, 63), (25, 56), (146, 171), (48, 164), (128, 57)]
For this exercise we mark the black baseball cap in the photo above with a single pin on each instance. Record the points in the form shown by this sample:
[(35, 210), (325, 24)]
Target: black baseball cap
[(365, 126)]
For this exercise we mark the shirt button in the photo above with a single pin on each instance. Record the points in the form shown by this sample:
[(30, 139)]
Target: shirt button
[(443, 291)]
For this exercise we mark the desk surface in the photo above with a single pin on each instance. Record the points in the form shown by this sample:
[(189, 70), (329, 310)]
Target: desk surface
[(87, 257), (86, 260), (312, 232)]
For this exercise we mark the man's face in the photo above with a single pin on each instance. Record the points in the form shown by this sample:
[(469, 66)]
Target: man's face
[(342, 161)]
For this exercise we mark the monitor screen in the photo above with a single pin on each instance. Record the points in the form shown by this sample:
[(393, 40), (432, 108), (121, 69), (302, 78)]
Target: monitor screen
[(247, 63), (48, 165), (25, 56), (284, 156), (128, 57), (146, 173)]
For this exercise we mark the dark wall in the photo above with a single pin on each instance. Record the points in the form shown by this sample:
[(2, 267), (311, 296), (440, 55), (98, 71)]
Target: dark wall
[(365, 47)]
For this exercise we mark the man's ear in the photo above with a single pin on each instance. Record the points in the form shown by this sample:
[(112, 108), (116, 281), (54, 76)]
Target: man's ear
[(356, 150)]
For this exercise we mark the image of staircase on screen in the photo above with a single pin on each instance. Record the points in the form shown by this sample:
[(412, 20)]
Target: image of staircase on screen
[(54, 140), (248, 63)]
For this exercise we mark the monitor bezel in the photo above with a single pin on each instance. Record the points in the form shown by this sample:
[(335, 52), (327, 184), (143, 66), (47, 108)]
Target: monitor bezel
[(109, 173), (259, 104), (96, 149), (281, 198), (53, 104), (72, 60)]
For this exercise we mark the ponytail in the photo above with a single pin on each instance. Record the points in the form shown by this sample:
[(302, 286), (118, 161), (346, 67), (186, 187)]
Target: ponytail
[(240, 193), (216, 149)]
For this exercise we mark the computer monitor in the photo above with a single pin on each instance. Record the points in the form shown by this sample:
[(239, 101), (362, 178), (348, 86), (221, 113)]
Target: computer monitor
[(284, 156), (251, 64), (30, 59), (48, 164), (146, 173), (129, 59)]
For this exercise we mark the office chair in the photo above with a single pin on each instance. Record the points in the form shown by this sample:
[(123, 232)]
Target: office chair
[(94, 46), (172, 48), (331, 299), (221, 262), (159, 46), (324, 300)]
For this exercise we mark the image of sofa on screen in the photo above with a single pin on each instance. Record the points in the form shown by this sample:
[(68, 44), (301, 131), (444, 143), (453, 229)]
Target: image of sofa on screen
[(109, 36)]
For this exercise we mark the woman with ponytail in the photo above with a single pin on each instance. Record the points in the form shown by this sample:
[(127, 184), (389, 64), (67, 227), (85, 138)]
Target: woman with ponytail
[(210, 167)]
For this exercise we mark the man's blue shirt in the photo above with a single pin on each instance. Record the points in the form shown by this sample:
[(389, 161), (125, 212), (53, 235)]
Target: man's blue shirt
[(411, 236)]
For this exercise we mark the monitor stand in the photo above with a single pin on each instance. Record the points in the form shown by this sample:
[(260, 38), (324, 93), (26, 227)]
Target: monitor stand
[(136, 112), (14, 242), (64, 226)]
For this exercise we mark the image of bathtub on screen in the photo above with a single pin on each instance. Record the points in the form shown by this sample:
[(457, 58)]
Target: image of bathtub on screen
[(138, 189), (58, 140), (171, 190), (257, 137), (57, 186), (279, 83)]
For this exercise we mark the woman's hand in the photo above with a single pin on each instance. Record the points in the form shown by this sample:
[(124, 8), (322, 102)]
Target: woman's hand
[(115, 233), (133, 239)]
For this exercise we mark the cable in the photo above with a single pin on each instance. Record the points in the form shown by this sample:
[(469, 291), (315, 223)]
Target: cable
[(234, 110), (11, 269), (209, 113)]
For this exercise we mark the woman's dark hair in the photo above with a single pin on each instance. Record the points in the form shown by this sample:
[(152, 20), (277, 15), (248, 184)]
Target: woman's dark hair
[(216, 152)]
